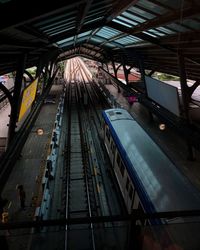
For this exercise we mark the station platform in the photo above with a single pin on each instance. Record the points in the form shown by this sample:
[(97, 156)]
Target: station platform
[(30, 166), (29, 169)]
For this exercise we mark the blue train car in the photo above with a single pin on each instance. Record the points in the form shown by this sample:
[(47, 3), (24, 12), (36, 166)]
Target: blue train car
[(148, 179)]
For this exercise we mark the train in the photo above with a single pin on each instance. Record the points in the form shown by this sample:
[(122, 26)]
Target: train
[(147, 177)]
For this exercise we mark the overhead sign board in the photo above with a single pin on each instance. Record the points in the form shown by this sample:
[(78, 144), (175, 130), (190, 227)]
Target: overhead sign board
[(28, 96), (164, 94)]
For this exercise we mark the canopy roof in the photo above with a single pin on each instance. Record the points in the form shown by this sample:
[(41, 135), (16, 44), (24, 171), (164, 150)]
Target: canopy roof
[(154, 31)]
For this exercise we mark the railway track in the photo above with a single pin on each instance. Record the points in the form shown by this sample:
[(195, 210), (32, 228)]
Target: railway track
[(80, 198), (84, 191)]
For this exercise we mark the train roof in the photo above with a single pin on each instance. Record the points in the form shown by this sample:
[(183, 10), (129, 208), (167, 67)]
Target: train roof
[(160, 185)]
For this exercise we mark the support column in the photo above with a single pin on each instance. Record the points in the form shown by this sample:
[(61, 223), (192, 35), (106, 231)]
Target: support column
[(142, 72), (45, 77), (114, 69), (125, 73), (125, 69), (185, 98), (16, 97), (115, 73), (184, 87), (7, 93)]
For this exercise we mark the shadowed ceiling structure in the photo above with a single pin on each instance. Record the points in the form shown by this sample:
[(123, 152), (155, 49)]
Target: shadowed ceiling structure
[(155, 32)]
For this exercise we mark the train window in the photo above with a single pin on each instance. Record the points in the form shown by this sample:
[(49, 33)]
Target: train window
[(122, 168), (127, 183), (131, 192)]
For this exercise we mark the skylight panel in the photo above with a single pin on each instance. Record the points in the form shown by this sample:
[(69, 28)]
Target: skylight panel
[(156, 32), (142, 13), (110, 45), (66, 44), (95, 13), (122, 23), (174, 4), (95, 39), (133, 17), (128, 40), (177, 27), (152, 7), (107, 32), (81, 39), (84, 34), (148, 33), (93, 20), (165, 30), (192, 24), (127, 20), (65, 40)]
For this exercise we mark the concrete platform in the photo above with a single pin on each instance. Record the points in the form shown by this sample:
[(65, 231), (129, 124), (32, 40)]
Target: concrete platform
[(28, 171), (29, 168)]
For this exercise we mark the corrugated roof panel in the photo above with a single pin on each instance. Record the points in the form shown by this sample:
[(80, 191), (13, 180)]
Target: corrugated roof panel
[(125, 20), (128, 40), (193, 24), (60, 31), (166, 30), (100, 8), (156, 32), (110, 45), (52, 20), (65, 40), (84, 34), (150, 34), (56, 28), (57, 31), (81, 39), (122, 23), (142, 13), (91, 15), (97, 39), (133, 17), (152, 7), (177, 27), (57, 24), (107, 32), (176, 4), (66, 44), (93, 20)]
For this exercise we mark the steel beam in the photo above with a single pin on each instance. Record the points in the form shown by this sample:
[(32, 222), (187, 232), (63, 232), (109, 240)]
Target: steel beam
[(170, 17), (119, 7), (16, 97), (83, 10), (185, 98)]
